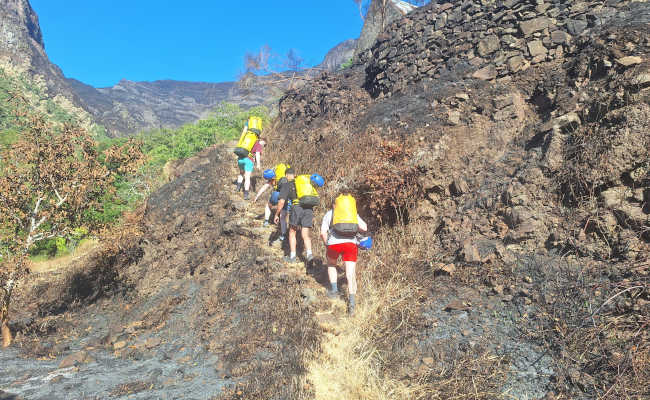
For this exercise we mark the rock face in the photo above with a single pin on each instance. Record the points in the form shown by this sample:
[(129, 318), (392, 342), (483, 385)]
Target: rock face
[(514, 134), (338, 56), (380, 14), (494, 38), (22, 47)]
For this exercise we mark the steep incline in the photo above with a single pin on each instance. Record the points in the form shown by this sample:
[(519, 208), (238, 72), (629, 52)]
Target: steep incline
[(202, 308), (503, 148)]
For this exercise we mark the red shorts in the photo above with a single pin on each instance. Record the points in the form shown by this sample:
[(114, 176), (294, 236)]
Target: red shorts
[(347, 250)]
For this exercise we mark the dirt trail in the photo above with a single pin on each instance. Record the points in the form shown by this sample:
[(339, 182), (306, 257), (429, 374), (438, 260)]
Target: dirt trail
[(342, 368)]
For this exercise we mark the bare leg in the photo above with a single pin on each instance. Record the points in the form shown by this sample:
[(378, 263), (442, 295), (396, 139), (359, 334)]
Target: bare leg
[(350, 274), (331, 270), (306, 239), (267, 212), (247, 180), (240, 177), (292, 239), (284, 222)]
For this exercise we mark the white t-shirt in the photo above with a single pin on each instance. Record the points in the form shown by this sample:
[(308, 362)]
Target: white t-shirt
[(332, 237)]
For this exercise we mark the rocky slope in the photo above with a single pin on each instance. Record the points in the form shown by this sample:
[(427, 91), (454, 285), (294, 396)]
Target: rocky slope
[(339, 55), (511, 221), (199, 307), (511, 139), (22, 54)]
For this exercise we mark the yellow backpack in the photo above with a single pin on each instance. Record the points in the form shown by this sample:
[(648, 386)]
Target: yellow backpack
[(280, 173), (255, 125), (344, 216), (281, 170), (245, 144), (307, 196)]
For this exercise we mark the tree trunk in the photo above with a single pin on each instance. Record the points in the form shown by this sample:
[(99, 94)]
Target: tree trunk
[(6, 333)]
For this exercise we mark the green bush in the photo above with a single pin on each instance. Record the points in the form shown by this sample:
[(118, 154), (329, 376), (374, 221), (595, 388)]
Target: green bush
[(346, 64), (223, 124)]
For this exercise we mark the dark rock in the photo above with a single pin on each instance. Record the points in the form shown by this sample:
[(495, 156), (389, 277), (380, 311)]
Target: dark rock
[(9, 396), (576, 27)]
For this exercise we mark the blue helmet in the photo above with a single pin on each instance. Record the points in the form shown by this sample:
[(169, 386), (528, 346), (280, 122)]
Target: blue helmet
[(268, 174), (365, 243), (317, 180)]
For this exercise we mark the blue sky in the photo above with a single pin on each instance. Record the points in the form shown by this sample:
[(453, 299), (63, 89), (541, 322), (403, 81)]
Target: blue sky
[(100, 42)]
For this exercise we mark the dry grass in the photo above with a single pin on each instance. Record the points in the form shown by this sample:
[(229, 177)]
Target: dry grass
[(358, 357)]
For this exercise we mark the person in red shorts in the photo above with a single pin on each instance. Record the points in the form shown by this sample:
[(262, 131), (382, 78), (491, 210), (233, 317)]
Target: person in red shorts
[(346, 248)]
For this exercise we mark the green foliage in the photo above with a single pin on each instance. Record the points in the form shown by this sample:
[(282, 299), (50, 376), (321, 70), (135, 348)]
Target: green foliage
[(346, 64), (21, 86), (223, 124)]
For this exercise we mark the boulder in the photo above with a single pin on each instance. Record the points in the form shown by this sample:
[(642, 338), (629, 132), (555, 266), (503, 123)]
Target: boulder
[(534, 25), (560, 37), (630, 60), (576, 26), (516, 63), (81, 357), (486, 73), (536, 48), (488, 45)]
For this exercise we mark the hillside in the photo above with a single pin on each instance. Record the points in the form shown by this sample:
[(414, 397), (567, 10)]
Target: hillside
[(501, 154)]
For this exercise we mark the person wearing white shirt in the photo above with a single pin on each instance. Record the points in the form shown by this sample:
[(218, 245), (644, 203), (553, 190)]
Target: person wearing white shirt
[(346, 248)]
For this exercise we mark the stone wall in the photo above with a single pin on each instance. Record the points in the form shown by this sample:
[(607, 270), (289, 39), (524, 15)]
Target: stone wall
[(482, 39)]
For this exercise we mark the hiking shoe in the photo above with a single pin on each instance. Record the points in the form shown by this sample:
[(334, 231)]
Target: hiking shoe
[(246, 195), (290, 260), (332, 294), (266, 223), (239, 187), (310, 257), (351, 310)]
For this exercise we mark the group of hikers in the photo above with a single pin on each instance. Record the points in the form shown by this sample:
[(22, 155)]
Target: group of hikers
[(291, 204)]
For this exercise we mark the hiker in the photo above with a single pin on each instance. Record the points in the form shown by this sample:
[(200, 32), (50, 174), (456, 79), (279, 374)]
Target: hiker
[(247, 165), (339, 230), (248, 151), (299, 191), (274, 179)]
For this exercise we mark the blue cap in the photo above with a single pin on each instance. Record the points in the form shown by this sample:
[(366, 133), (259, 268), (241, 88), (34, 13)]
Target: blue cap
[(268, 174), (365, 243), (317, 180)]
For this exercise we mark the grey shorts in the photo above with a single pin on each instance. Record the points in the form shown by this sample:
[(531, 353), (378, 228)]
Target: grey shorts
[(301, 216)]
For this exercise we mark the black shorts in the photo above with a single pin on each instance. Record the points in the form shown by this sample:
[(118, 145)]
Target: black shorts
[(301, 216)]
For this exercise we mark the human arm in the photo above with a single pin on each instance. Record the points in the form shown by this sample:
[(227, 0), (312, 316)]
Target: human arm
[(363, 227), (325, 226), (278, 211), (261, 191), (258, 159)]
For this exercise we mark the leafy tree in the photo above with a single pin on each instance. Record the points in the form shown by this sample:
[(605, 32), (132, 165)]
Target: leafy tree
[(50, 176)]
